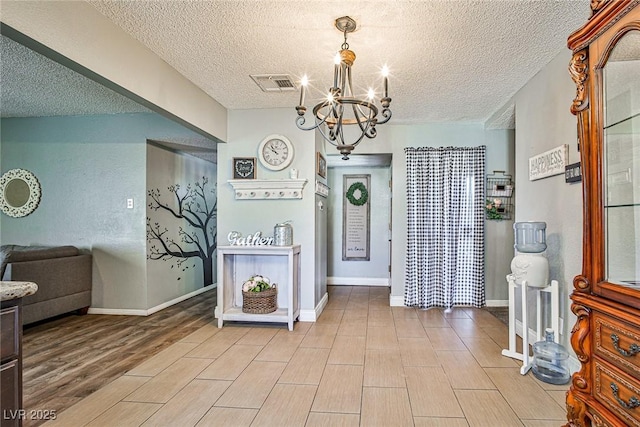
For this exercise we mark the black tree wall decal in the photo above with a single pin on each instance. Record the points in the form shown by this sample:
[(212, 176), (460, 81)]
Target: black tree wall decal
[(198, 239)]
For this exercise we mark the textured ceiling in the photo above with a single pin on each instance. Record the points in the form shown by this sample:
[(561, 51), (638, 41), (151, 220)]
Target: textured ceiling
[(456, 60), (32, 85)]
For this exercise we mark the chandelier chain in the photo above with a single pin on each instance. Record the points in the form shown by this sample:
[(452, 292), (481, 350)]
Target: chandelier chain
[(345, 45)]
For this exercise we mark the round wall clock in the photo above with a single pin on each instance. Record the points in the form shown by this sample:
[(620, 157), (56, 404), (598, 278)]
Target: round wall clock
[(275, 152)]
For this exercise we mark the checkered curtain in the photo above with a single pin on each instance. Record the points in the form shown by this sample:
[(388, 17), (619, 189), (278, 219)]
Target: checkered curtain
[(445, 242)]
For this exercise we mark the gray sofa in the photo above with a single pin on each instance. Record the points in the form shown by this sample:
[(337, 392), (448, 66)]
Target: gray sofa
[(63, 276)]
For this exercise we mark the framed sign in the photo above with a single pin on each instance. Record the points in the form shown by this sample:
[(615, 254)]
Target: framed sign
[(321, 165), (572, 173), (549, 163), (244, 168), (356, 216)]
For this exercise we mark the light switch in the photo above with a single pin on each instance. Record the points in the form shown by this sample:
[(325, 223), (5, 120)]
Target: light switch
[(129, 203)]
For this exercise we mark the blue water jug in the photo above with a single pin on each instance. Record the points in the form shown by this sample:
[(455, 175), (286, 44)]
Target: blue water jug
[(530, 236), (550, 360)]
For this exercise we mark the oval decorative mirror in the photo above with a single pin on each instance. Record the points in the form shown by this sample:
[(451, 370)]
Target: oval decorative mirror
[(19, 192)]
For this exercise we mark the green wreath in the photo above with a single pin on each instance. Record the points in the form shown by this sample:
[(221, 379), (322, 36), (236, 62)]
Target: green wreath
[(364, 194)]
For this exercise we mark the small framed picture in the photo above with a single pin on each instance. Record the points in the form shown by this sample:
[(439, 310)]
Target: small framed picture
[(244, 168), (321, 165)]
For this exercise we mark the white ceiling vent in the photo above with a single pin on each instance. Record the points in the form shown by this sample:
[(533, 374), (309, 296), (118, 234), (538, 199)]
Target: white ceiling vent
[(274, 82)]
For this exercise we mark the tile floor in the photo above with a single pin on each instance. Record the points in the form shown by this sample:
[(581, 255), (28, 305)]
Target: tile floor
[(362, 363)]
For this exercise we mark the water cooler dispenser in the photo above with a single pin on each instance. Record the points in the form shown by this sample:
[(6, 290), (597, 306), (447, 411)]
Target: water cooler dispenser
[(530, 271)]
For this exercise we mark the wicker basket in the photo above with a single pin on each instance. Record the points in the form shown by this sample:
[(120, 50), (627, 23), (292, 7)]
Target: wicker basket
[(260, 302)]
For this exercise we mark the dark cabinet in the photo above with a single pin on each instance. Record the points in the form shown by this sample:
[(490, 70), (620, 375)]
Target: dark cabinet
[(11, 363)]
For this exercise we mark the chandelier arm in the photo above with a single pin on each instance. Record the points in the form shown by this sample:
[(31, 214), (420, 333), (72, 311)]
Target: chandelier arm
[(363, 129), (338, 110), (386, 113), (362, 135), (330, 139), (338, 134), (358, 113), (359, 106), (337, 130), (301, 120), (349, 82), (370, 129)]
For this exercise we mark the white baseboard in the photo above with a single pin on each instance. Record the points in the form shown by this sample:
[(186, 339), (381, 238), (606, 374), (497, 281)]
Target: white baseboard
[(137, 312), (358, 281), (312, 315), (396, 300), (497, 303), (118, 311)]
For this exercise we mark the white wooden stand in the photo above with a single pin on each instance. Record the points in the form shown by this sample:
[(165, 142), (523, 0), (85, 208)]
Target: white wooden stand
[(552, 289), (281, 264)]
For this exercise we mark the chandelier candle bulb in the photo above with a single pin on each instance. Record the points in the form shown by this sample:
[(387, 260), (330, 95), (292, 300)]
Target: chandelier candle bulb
[(385, 75), (303, 86), (371, 94), (336, 69)]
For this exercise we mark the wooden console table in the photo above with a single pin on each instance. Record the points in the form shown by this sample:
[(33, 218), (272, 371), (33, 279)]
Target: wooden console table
[(281, 264)]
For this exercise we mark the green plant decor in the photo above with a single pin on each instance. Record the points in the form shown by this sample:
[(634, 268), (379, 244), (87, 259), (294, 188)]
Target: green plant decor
[(364, 194), (492, 209)]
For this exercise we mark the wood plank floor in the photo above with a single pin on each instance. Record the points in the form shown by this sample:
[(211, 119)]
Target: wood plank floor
[(70, 357), (362, 363)]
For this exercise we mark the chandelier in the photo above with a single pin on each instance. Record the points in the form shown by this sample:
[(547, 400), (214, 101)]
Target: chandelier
[(341, 108)]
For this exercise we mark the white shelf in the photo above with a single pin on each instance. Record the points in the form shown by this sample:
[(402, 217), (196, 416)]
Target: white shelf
[(237, 263), (236, 314), (263, 189)]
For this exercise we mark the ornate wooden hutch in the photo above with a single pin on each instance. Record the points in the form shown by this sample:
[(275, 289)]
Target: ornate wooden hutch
[(606, 299)]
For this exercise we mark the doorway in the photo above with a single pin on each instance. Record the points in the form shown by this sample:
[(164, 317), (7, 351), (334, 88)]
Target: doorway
[(374, 271)]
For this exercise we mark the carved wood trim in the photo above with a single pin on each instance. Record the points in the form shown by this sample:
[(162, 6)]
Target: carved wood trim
[(596, 5), (581, 344), (581, 284), (580, 381), (576, 410), (605, 14), (579, 70), (622, 31), (596, 421)]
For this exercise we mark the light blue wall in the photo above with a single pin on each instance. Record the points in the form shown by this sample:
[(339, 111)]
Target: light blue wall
[(166, 279), (247, 128), (88, 166), (543, 122)]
